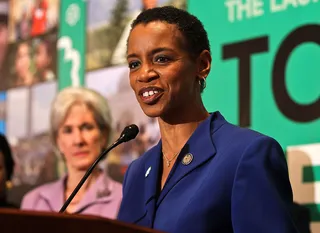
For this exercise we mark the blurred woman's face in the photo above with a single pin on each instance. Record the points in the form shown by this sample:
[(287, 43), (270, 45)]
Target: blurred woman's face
[(79, 138), (22, 60), (42, 57), (3, 176)]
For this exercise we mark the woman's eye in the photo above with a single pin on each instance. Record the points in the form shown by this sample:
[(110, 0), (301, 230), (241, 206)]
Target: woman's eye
[(67, 130), (87, 127), (133, 65), (162, 59)]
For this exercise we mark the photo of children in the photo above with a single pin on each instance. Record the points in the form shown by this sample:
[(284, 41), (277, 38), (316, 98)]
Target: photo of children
[(31, 18), (31, 61)]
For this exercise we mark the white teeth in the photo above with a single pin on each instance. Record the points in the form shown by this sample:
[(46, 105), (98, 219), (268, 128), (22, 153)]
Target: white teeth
[(149, 93)]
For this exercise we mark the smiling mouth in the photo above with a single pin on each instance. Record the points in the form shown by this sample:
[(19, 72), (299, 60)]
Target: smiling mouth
[(150, 95)]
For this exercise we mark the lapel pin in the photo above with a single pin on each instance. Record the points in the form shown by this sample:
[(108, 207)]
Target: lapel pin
[(147, 172), (187, 159)]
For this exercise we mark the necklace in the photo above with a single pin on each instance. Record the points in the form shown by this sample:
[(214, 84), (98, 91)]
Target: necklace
[(168, 161)]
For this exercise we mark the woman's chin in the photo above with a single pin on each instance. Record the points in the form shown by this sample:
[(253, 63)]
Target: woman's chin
[(152, 111)]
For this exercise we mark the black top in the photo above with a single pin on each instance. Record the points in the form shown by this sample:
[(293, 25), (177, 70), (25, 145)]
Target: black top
[(6, 204)]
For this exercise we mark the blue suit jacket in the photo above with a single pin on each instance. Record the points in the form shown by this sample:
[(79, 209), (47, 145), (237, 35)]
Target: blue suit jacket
[(237, 182)]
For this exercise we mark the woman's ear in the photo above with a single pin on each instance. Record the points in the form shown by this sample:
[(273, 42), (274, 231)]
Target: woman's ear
[(204, 64), (104, 138), (58, 145)]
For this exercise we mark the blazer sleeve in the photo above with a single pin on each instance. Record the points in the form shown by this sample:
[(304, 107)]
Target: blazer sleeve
[(125, 187), (261, 194), (127, 179)]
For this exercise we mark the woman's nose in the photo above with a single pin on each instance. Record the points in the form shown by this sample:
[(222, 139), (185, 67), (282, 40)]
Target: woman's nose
[(78, 138), (147, 74)]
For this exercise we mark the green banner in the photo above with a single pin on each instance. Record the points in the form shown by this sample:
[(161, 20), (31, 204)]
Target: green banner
[(72, 43), (265, 70)]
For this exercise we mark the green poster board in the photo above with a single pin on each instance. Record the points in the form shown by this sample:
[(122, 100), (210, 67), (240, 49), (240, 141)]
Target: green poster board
[(265, 71), (72, 43)]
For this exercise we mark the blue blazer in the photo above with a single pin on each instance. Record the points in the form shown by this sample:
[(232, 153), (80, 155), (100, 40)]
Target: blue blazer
[(236, 182)]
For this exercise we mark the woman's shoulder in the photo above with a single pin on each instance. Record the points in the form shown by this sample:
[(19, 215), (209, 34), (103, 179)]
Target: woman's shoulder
[(235, 140), (223, 130), (33, 195), (240, 135)]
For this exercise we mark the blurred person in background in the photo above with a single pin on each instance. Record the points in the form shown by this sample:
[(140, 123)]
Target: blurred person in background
[(23, 75), (6, 170), (23, 25), (80, 130), (43, 60), (39, 18)]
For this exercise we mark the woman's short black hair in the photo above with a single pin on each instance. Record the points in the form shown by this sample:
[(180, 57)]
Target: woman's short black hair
[(8, 160), (190, 26)]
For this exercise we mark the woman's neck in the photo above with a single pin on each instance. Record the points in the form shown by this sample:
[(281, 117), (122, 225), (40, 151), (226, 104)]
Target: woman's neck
[(176, 130), (74, 178)]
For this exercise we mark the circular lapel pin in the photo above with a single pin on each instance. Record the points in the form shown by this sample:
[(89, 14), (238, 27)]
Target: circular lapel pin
[(187, 159)]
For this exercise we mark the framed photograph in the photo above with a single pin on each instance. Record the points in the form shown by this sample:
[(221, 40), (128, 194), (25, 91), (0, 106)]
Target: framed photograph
[(30, 62), (108, 28), (32, 18)]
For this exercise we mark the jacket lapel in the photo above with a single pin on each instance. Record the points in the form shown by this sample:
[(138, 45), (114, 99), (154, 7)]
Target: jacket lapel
[(151, 175), (198, 150), (99, 192), (53, 195)]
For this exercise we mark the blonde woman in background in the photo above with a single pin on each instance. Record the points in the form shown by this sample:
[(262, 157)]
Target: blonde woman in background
[(80, 130)]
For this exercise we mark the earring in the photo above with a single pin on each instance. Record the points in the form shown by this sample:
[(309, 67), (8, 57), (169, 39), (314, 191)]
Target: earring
[(8, 184), (202, 83)]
